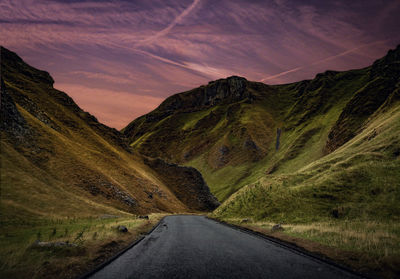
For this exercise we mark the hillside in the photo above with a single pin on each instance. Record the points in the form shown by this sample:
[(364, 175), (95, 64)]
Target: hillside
[(320, 157), (58, 161), (236, 131)]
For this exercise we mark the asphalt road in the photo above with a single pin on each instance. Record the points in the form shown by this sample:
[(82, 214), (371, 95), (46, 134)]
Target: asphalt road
[(197, 247)]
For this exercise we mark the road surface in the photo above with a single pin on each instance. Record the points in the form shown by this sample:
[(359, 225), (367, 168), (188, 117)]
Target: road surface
[(197, 247)]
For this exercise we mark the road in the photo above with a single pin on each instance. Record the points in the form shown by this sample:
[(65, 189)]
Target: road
[(197, 247)]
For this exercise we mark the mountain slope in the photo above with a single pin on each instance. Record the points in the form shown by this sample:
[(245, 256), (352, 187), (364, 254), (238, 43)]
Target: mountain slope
[(360, 180), (59, 161), (228, 129)]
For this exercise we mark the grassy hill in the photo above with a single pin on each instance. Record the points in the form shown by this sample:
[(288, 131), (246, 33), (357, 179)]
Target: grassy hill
[(359, 176), (66, 177), (58, 161), (228, 128), (321, 157)]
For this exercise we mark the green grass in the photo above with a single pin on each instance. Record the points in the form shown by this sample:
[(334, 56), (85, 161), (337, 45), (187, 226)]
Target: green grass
[(19, 259), (192, 118), (315, 194), (227, 180), (222, 179), (358, 181), (194, 138)]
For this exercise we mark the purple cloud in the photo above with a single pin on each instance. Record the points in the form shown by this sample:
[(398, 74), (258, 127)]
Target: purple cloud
[(99, 50)]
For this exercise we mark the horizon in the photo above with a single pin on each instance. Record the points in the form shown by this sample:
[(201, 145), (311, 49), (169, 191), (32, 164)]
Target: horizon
[(128, 57)]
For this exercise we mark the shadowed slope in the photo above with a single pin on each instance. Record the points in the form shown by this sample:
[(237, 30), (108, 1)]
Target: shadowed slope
[(59, 161)]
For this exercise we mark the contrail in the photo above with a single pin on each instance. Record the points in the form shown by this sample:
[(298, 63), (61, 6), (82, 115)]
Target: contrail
[(166, 30), (322, 60), (165, 60), (204, 72), (283, 73)]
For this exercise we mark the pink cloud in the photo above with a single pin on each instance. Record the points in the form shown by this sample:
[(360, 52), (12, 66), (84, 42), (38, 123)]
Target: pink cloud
[(143, 51), (321, 61), (113, 108)]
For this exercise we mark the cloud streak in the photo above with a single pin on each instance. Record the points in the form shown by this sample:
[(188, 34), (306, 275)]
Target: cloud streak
[(333, 57), (158, 48), (166, 30)]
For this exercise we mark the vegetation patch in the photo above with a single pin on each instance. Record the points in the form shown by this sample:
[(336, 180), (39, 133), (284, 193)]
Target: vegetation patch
[(369, 247), (72, 246)]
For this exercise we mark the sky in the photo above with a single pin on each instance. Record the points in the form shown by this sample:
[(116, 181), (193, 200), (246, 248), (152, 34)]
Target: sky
[(120, 59)]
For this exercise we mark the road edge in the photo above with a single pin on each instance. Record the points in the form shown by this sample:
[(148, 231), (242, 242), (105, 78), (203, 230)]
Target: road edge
[(293, 247), (117, 255)]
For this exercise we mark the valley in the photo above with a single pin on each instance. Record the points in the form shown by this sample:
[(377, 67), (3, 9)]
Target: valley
[(320, 157), (339, 135)]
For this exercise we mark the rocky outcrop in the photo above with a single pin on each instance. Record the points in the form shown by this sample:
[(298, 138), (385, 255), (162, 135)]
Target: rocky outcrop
[(15, 65), (229, 90), (380, 90), (12, 121), (388, 66), (357, 111), (17, 132), (35, 110), (98, 185), (186, 183), (122, 229), (222, 91)]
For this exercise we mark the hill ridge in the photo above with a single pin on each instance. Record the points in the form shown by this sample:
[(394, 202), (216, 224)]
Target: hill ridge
[(59, 160), (214, 130)]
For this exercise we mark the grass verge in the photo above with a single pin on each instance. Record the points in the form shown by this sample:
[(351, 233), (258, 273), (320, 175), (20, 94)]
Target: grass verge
[(94, 241), (368, 247)]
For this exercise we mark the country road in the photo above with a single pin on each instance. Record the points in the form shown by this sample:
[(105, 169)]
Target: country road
[(197, 247)]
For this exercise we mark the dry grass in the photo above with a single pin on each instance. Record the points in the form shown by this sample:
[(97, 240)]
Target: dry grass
[(367, 246), (67, 164), (378, 239), (96, 238)]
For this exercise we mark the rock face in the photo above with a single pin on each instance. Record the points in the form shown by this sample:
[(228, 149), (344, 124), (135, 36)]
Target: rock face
[(388, 66), (222, 91), (384, 78), (191, 188), (11, 120), (227, 90), (15, 65)]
